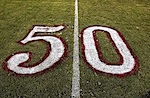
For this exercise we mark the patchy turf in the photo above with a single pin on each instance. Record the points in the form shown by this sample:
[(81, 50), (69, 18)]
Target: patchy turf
[(130, 17)]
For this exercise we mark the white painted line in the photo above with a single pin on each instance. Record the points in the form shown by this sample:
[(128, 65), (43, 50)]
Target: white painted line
[(76, 71)]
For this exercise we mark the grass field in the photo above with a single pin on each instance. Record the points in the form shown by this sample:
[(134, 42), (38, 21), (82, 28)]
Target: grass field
[(130, 17)]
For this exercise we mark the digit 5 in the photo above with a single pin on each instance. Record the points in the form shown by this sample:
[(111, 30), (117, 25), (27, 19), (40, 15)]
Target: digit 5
[(56, 50)]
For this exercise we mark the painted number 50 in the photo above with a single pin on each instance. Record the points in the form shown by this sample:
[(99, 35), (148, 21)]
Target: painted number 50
[(56, 51)]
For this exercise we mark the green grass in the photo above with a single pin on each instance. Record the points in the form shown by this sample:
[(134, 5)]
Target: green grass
[(17, 17), (130, 17)]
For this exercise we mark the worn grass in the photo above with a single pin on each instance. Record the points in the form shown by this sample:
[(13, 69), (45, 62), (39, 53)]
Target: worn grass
[(130, 17)]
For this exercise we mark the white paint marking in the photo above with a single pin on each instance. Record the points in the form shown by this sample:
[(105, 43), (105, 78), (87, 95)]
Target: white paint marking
[(76, 71), (57, 51), (92, 57)]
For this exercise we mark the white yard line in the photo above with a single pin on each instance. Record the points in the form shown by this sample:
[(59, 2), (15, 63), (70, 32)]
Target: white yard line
[(76, 71)]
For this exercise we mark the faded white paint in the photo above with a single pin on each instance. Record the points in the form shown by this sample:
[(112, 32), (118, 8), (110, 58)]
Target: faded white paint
[(76, 71), (92, 57), (57, 51)]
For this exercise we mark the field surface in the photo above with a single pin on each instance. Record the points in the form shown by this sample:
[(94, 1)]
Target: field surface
[(130, 17)]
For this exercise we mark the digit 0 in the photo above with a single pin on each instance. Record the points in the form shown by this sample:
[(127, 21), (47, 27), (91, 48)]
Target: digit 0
[(91, 53)]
